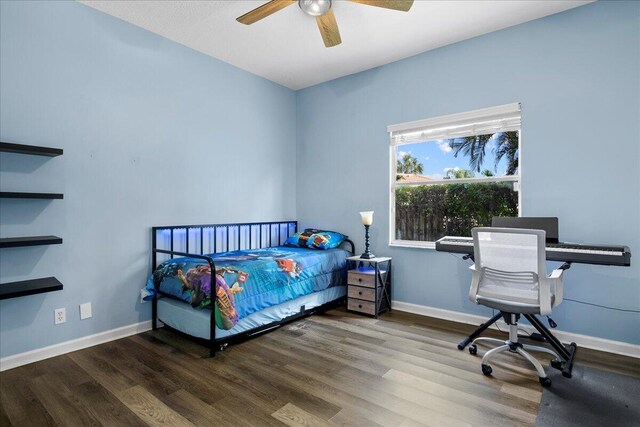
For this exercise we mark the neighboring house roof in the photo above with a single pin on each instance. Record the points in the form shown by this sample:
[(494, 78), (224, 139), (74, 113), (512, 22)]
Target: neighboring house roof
[(412, 177)]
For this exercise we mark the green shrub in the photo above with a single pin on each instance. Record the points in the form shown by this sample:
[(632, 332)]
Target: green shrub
[(429, 212)]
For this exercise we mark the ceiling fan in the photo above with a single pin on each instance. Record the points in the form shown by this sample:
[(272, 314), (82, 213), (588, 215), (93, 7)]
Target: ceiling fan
[(321, 10)]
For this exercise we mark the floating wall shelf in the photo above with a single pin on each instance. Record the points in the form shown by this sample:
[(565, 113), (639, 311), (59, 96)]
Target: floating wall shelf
[(9, 147), (34, 286), (25, 195), (29, 287), (15, 242)]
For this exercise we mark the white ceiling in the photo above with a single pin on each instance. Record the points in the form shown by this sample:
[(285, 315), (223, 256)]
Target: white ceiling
[(287, 48)]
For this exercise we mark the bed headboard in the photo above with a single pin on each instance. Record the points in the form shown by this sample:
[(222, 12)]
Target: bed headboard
[(215, 238)]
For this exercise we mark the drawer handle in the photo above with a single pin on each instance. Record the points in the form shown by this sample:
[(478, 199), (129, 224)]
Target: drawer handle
[(359, 280), (359, 292), (359, 305)]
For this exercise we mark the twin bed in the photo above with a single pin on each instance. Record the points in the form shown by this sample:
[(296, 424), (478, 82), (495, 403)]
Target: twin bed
[(223, 283)]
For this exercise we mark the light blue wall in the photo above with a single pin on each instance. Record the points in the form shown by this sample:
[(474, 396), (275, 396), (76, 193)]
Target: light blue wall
[(577, 75), (153, 134)]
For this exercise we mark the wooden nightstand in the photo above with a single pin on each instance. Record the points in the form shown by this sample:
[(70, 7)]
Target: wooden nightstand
[(369, 285)]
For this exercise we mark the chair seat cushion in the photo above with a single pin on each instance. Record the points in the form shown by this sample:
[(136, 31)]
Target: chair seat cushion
[(508, 306)]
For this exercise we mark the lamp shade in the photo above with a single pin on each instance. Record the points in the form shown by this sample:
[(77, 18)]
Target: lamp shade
[(367, 217)]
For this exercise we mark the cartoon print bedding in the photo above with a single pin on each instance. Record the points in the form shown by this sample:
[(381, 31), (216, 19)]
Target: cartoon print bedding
[(249, 280)]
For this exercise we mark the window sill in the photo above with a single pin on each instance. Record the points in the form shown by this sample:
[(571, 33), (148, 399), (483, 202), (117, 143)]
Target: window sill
[(412, 244)]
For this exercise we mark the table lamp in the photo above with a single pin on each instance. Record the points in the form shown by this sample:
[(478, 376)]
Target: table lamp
[(367, 220)]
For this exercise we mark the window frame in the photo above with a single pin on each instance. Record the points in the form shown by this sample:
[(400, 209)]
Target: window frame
[(442, 121)]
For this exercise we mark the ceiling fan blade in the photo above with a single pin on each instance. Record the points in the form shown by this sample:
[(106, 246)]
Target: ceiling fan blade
[(403, 5), (263, 11), (329, 29)]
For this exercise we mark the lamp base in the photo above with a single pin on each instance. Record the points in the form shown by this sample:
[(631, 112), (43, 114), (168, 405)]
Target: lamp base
[(367, 255)]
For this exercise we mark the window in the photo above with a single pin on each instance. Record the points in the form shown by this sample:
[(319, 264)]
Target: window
[(452, 173)]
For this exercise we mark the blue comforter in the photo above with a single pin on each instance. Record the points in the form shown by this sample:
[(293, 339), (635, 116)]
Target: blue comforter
[(249, 280)]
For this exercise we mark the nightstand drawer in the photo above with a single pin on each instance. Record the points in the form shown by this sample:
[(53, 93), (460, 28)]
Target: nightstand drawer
[(361, 306), (359, 279), (367, 294)]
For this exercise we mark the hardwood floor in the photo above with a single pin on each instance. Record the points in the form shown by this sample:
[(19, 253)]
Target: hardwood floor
[(333, 369)]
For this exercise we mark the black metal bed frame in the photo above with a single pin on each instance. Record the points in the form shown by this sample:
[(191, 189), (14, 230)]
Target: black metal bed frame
[(263, 239)]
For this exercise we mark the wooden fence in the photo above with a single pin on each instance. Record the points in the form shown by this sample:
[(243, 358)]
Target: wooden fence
[(429, 212)]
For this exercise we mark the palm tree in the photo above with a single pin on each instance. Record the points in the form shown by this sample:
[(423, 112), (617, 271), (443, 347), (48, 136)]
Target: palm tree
[(459, 173), (506, 145), (409, 164)]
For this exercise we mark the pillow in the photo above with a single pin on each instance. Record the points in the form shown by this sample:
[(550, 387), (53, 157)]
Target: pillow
[(298, 240), (316, 239)]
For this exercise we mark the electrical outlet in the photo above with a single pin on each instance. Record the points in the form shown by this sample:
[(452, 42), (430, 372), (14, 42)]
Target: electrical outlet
[(85, 310), (60, 316)]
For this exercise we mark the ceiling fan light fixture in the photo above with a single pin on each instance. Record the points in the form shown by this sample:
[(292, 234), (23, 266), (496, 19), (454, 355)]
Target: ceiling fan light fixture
[(315, 7)]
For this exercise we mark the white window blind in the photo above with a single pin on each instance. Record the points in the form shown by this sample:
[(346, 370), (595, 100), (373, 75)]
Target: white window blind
[(477, 122)]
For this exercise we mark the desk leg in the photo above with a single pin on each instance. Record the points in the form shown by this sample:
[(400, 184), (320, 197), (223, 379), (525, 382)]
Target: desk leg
[(479, 330)]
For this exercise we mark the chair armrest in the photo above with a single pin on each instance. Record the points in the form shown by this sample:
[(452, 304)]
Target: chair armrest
[(557, 280), (475, 281), (556, 274)]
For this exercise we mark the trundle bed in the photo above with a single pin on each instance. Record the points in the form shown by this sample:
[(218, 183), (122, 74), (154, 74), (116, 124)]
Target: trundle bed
[(223, 283)]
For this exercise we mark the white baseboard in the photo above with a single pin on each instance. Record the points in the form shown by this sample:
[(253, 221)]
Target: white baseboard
[(27, 357), (595, 343)]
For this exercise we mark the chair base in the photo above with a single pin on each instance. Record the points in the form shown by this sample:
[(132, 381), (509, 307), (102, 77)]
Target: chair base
[(564, 363), (512, 345)]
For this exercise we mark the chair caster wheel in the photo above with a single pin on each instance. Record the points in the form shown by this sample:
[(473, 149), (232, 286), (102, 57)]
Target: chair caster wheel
[(546, 381), (486, 369), (473, 349), (557, 364)]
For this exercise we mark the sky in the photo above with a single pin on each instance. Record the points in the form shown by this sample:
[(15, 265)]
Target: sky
[(437, 157)]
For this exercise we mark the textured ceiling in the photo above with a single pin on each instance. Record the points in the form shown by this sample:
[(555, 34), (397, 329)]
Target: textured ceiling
[(287, 48)]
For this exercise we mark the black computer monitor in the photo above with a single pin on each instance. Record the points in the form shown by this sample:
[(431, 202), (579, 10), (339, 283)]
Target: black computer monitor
[(548, 224)]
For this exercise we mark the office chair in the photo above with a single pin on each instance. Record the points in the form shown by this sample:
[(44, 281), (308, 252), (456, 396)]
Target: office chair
[(510, 275)]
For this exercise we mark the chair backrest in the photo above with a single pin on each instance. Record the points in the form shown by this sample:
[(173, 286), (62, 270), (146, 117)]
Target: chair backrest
[(511, 262)]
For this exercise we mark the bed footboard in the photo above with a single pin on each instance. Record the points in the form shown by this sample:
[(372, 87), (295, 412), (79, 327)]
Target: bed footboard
[(214, 295)]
